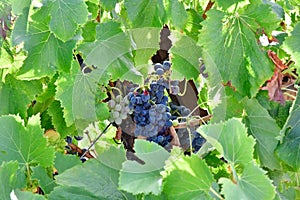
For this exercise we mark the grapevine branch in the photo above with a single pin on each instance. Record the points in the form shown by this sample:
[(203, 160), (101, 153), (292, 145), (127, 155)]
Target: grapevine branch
[(97, 138), (193, 122), (208, 7)]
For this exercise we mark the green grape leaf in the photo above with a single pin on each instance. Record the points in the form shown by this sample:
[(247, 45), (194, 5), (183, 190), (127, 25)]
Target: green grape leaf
[(265, 130), (292, 45), (93, 8), (8, 172), (137, 178), (252, 184), (24, 144), (147, 13), (185, 58), (231, 140), (289, 149), (65, 84), (146, 42), (46, 53), (16, 95), (189, 179), (56, 112), (27, 195), (229, 105), (178, 14), (108, 4), (66, 16), (254, 18), (230, 42), (20, 26), (18, 6), (228, 3), (63, 162), (89, 31), (110, 52), (74, 193), (45, 182), (193, 24), (47, 97), (76, 92), (96, 177)]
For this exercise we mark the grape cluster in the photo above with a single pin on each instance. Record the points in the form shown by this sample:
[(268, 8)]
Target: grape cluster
[(151, 113), (119, 108), (139, 103)]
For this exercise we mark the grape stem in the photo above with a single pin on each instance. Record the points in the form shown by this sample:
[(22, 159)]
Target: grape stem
[(97, 138), (184, 89), (119, 91), (215, 193), (190, 134), (175, 141), (193, 122)]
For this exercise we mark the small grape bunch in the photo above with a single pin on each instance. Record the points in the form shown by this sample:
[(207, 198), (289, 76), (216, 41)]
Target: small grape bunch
[(160, 69), (119, 108)]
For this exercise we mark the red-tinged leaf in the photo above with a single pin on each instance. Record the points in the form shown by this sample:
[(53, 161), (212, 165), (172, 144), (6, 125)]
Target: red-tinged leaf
[(274, 87)]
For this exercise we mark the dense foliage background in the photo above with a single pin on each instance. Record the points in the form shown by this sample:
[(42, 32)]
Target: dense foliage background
[(57, 58)]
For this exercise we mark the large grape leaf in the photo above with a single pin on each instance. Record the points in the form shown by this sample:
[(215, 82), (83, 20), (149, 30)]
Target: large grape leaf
[(185, 58), (137, 178), (110, 52), (16, 95), (289, 149), (65, 84), (230, 42), (66, 15), (252, 184), (76, 92), (147, 13), (8, 172), (95, 178), (46, 53), (292, 45), (265, 130), (24, 144), (231, 140), (189, 179)]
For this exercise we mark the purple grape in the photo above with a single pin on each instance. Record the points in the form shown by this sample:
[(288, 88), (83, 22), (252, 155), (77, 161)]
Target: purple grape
[(157, 66), (166, 65), (160, 138), (160, 71)]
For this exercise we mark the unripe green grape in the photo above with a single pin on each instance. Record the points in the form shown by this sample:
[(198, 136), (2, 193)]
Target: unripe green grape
[(118, 107)]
